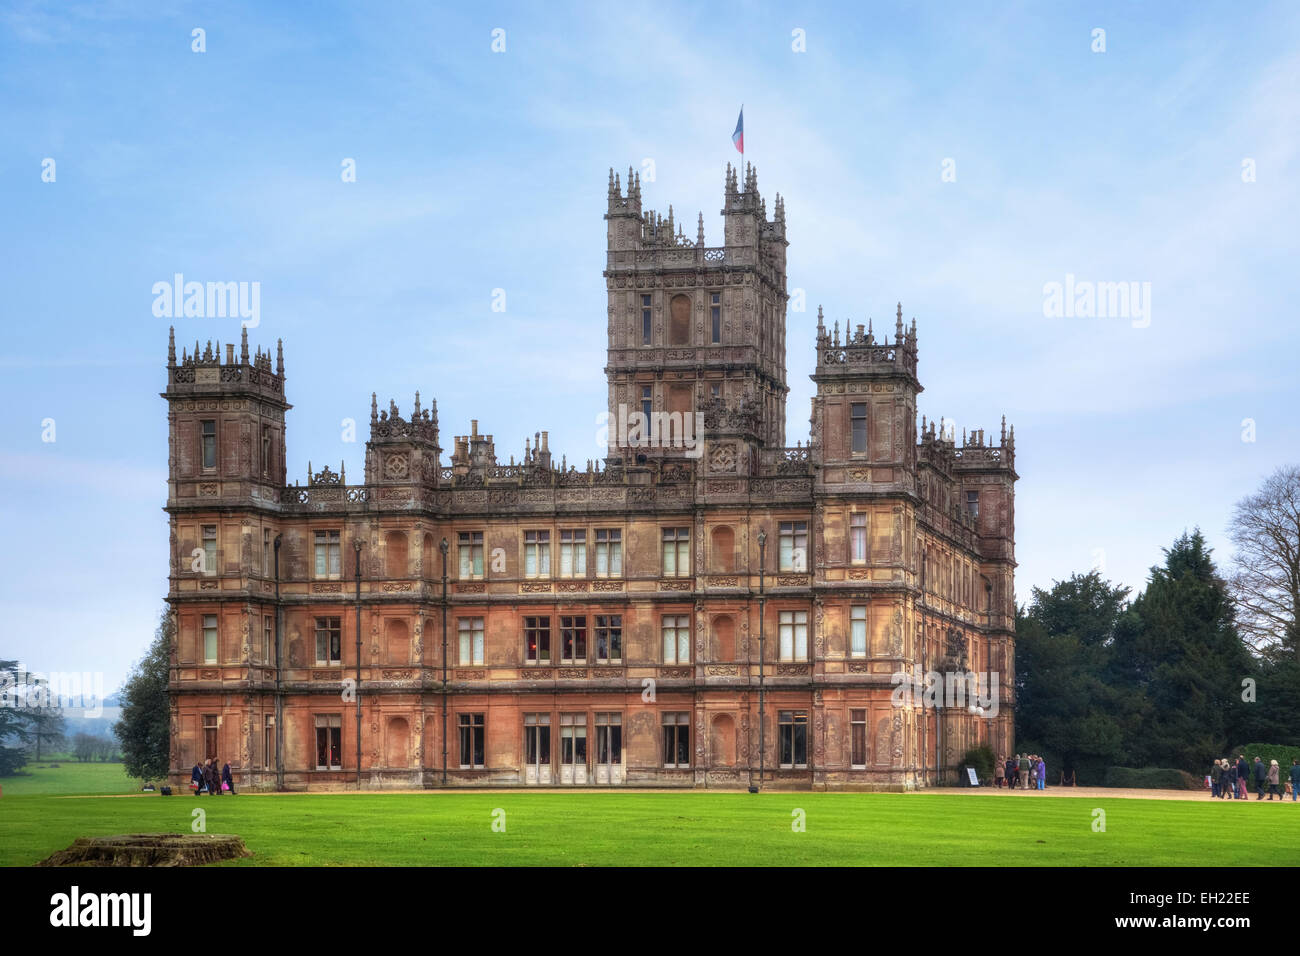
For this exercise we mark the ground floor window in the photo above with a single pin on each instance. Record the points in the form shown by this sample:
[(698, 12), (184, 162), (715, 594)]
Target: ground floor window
[(793, 727), (329, 742), (858, 738), (471, 740), (573, 739), (209, 736), (609, 738), (537, 740), (268, 743), (677, 739)]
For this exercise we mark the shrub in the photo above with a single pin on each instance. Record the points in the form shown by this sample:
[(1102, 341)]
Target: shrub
[(981, 758), (1151, 778), (1266, 752)]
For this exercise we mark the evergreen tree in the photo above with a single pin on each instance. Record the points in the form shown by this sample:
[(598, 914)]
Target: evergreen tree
[(1183, 662), (1063, 701), (144, 729), (14, 720)]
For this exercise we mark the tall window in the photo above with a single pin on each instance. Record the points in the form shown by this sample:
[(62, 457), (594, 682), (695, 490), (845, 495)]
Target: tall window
[(470, 550), (715, 316), (268, 562), (858, 631), (858, 738), (471, 740), (470, 632), (609, 638), (266, 451), (609, 738), (794, 546), (328, 562), (268, 742), (329, 641), (794, 635), (537, 739), (677, 739), (573, 739), (268, 639), (209, 549), (209, 444), (573, 639), (677, 552), (609, 553), (973, 503), (329, 741), (537, 640), (645, 320), (858, 537), (209, 638), (793, 738), (677, 638), (858, 418), (537, 554), (209, 736), (646, 403), (573, 554)]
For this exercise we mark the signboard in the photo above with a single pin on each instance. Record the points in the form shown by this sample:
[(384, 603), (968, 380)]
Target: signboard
[(974, 780)]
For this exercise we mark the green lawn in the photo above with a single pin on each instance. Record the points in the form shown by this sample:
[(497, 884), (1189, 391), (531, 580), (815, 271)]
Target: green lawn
[(682, 828), (69, 777)]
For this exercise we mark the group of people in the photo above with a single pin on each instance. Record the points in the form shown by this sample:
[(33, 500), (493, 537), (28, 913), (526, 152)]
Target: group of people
[(1231, 779), (1023, 771), (207, 778)]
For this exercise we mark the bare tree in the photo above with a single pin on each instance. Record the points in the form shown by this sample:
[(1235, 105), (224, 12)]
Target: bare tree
[(1266, 583)]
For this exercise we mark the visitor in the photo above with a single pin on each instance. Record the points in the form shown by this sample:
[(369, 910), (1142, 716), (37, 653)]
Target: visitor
[(1215, 778), (1273, 772), (1261, 774), (1042, 774), (1243, 777), (1011, 772), (999, 770), (227, 781), (1022, 771), (214, 784), (1231, 778), (1295, 779), (196, 778)]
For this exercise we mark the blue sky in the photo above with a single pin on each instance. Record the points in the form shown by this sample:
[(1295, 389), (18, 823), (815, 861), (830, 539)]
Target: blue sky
[(479, 171)]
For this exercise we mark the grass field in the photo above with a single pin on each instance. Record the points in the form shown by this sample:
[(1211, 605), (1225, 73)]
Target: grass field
[(69, 777), (683, 828)]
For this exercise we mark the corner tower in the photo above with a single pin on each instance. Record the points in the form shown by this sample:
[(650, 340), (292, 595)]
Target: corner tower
[(695, 329)]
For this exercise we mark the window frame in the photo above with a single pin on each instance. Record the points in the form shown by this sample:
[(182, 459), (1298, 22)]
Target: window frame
[(856, 722), (680, 724), (858, 537), (573, 638), (573, 551), (790, 534), (609, 547), (469, 555), (647, 320), (329, 544), (539, 626), (715, 317), (788, 721), (858, 616), (854, 419), (679, 539), (215, 628), (208, 444), (796, 619), (679, 625), (537, 553), (331, 630), (470, 629), (472, 733)]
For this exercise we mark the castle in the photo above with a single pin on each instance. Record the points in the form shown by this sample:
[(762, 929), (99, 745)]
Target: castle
[(708, 607)]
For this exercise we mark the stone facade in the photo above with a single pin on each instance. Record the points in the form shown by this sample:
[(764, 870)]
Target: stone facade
[(478, 623)]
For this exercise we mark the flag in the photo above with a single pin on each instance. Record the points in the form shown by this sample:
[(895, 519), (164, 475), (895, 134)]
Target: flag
[(738, 137)]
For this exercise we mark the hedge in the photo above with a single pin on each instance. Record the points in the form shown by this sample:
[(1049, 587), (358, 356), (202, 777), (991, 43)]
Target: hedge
[(1151, 778)]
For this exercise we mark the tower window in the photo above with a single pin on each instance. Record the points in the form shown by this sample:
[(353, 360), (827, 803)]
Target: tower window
[(266, 451), (973, 503), (715, 316), (209, 444), (858, 417), (645, 320), (645, 404)]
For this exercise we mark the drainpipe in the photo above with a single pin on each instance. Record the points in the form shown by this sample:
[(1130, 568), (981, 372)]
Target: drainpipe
[(279, 681), (445, 730), (762, 653), (356, 545)]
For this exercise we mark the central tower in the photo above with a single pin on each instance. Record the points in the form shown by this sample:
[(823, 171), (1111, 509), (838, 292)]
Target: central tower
[(693, 329)]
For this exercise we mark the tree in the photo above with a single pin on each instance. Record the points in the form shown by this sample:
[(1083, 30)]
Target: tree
[(14, 720), (1064, 703), (1182, 662), (1266, 583), (144, 729)]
